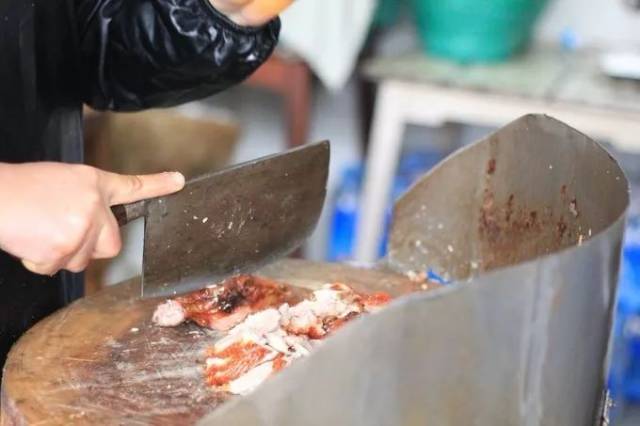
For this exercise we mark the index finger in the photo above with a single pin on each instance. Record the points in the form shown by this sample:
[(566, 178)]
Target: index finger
[(122, 189)]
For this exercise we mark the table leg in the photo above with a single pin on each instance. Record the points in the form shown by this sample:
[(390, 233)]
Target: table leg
[(298, 104), (292, 80), (382, 161)]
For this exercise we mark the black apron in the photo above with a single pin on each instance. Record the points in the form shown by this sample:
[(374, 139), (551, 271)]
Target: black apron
[(121, 55), (33, 127)]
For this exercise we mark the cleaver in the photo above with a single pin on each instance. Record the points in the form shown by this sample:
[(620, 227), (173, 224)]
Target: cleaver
[(231, 221)]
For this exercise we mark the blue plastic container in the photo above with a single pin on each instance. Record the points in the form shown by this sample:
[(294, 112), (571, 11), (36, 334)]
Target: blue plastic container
[(344, 221), (345, 216), (624, 374)]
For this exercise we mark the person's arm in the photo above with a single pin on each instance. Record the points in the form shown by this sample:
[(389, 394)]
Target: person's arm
[(136, 54), (57, 216), (250, 12)]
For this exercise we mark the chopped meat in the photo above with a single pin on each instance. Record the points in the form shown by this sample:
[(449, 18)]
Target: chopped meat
[(268, 325), (221, 321), (302, 320), (278, 341), (260, 323), (328, 302), (329, 308), (231, 361), (285, 314), (298, 345), (269, 340), (223, 306), (375, 301), (253, 378), (279, 363), (331, 324), (169, 314)]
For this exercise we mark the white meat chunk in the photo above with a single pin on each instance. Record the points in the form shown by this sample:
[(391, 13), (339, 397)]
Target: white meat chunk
[(300, 345), (303, 321), (251, 380), (277, 341), (216, 362), (230, 339), (260, 323), (327, 303), (285, 315), (169, 314)]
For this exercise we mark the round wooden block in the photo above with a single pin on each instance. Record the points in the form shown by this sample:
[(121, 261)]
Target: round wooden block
[(101, 360)]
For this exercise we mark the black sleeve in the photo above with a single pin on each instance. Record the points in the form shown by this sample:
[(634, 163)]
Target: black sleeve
[(136, 54)]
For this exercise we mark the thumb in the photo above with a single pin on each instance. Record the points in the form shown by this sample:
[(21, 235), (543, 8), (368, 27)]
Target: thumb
[(122, 189)]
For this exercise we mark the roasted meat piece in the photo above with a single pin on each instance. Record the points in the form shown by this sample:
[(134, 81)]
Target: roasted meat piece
[(269, 340), (268, 325), (222, 306)]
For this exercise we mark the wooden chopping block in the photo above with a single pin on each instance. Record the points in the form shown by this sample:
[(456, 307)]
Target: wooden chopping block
[(101, 361)]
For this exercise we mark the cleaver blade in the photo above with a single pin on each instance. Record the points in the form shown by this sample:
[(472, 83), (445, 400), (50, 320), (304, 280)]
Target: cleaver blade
[(231, 221)]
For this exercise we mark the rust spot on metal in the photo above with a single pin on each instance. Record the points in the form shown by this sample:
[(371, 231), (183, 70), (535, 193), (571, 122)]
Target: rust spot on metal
[(510, 232), (491, 166), (488, 221), (509, 211), (561, 227), (573, 208)]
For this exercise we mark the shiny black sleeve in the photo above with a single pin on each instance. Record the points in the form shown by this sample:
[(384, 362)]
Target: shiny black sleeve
[(136, 54)]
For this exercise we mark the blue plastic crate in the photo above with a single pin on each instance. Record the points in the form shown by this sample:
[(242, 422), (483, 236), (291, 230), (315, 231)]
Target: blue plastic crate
[(624, 374), (344, 220)]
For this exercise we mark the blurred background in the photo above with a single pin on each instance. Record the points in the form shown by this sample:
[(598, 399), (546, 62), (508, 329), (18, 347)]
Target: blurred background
[(397, 85)]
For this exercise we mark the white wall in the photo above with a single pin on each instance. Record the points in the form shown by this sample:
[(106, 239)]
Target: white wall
[(596, 22)]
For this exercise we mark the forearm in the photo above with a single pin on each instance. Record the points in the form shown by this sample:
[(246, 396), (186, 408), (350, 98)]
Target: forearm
[(7, 185), (250, 12)]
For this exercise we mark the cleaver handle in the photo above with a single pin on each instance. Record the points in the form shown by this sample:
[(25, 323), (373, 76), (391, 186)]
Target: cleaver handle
[(125, 213)]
